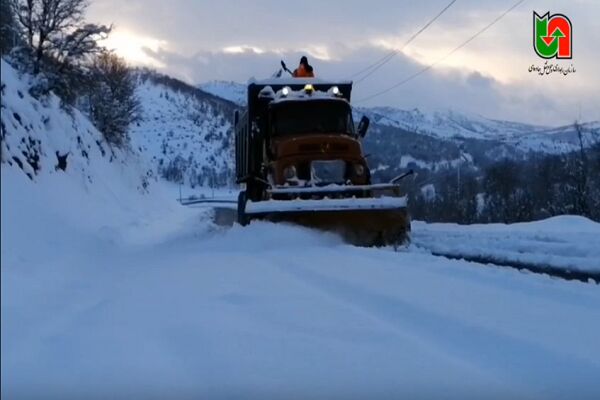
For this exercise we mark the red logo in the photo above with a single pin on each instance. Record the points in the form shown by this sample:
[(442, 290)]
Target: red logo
[(552, 36)]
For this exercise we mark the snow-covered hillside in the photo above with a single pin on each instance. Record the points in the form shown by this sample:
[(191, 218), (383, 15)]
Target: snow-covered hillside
[(41, 139), (454, 125), (449, 123), (232, 91), (185, 133)]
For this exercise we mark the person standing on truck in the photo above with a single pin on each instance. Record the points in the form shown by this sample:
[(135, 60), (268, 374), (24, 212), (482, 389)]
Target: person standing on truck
[(304, 70)]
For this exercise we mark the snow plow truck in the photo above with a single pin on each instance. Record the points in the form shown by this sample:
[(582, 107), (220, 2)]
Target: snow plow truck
[(299, 159)]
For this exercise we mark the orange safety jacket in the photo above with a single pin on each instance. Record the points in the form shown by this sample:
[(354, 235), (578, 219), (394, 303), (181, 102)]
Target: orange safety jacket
[(302, 72)]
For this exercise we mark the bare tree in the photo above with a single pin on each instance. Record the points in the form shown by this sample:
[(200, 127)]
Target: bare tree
[(112, 100), (56, 29)]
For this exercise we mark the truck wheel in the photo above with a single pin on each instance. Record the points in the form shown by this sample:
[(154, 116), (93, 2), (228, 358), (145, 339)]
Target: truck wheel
[(242, 218)]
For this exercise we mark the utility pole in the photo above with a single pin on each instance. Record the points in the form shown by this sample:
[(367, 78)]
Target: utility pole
[(458, 172)]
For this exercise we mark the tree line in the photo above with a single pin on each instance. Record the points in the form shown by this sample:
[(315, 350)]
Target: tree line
[(511, 191), (52, 41)]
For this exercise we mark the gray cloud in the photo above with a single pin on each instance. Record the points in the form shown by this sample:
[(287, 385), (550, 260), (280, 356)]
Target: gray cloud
[(488, 77)]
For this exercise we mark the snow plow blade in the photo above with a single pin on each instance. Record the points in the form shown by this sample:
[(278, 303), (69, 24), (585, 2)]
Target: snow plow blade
[(369, 221)]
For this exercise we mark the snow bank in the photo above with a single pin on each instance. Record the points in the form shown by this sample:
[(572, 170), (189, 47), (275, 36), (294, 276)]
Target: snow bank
[(565, 242), (102, 189)]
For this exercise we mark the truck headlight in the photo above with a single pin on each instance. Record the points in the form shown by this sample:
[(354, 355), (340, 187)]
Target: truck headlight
[(359, 170), (289, 172)]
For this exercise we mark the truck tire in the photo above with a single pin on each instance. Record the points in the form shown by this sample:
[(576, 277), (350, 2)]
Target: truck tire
[(242, 218)]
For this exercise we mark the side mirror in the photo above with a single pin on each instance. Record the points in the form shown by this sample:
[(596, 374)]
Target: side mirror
[(236, 117), (363, 126)]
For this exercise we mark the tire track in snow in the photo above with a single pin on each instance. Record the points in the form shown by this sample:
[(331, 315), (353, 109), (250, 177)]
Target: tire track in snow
[(462, 344), (542, 269)]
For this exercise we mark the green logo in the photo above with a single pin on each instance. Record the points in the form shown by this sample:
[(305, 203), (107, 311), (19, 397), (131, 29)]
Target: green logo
[(552, 36)]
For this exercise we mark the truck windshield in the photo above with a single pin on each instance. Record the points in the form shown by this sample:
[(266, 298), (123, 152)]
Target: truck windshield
[(293, 118)]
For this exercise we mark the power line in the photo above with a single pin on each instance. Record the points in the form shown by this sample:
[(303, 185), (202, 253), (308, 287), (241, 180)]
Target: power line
[(390, 54), (428, 67), (381, 62)]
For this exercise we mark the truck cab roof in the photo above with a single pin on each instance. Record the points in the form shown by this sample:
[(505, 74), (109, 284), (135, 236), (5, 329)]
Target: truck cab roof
[(295, 84)]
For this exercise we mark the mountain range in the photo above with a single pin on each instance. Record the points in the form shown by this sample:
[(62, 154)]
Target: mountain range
[(401, 139)]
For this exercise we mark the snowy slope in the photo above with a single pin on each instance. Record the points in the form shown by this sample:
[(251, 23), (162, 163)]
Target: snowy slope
[(232, 91), (451, 125), (184, 133), (36, 134)]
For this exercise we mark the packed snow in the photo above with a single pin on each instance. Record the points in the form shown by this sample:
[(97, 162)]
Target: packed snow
[(120, 295)]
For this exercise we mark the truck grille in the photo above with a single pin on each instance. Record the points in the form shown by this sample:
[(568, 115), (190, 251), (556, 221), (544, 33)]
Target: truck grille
[(328, 171)]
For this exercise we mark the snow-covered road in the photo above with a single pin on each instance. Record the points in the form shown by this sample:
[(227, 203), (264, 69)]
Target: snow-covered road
[(176, 308)]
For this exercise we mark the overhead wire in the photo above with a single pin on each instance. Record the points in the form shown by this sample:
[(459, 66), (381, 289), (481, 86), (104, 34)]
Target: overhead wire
[(430, 66), (384, 60)]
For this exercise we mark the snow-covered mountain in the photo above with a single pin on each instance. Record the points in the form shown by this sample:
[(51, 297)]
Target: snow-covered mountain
[(184, 132), (452, 125), (400, 139), (447, 124), (228, 90)]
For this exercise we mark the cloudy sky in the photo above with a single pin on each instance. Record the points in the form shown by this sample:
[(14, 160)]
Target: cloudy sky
[(199, 41)]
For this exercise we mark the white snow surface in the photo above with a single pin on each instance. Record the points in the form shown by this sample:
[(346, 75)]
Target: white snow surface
[(232, 91), (379, 203), (184, 132), (35, 131), (116, 295), (564, 242)]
